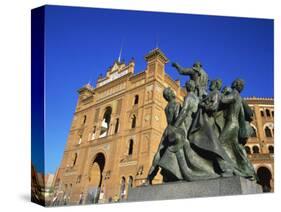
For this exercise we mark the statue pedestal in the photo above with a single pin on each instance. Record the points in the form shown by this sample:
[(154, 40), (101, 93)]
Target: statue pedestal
[(207, 188)]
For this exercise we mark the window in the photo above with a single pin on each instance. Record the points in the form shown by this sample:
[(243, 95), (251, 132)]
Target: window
[(130, 181), (267, 132), (272, 113), (254, 134), (136, 99), (262, 113), (94, 133), (271, 149), (74, 159), (131, 146), (134, 120), (256, 150), (80, 139), (123, 188), (267, 113), (78, 180), (248, 150), (116, 126), (84, 119), (105, 122)]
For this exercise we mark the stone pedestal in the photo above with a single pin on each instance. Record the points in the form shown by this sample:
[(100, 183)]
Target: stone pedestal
[(207, 188)]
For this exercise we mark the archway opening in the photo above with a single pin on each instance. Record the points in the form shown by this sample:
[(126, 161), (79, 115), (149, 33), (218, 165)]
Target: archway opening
[(95, 178), (264, 176)]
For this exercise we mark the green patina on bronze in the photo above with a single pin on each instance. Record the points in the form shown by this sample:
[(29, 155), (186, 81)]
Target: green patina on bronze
[(205, 136)]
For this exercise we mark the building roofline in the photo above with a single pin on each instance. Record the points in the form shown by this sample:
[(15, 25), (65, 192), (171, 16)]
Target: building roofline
[(258, 98)]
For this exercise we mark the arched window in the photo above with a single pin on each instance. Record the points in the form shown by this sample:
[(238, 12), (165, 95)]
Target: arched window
[(272, 113), (105, 122), (248, 150), (136, 99), (84, 119), (131, 147), (123, 188), (267, 113), (74, 159), (262, 113), (256, 150), (134, 121), (116, 126), (271, 149), (254, 134), (130, 181), (267, 132)]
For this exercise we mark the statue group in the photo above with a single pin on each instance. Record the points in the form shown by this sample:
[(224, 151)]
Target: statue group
[(205, 135)]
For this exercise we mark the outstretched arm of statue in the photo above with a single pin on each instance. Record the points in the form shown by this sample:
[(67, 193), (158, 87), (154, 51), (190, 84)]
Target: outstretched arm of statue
[(183, 71)]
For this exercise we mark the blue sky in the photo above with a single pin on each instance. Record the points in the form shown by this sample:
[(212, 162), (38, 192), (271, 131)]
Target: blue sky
[(82, 43)]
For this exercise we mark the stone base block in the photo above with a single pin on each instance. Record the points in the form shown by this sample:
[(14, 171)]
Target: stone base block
[(207, 188)]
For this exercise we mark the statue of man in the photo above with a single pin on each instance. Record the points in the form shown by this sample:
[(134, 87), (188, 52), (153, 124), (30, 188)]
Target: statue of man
[(198, 75), (230, 136), (172, 110)]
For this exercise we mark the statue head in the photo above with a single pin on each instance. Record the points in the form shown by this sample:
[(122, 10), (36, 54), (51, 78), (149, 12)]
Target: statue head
[(226, 90), (197, 64), (215, 84), (169, 94), (238, 84), (190, 86)]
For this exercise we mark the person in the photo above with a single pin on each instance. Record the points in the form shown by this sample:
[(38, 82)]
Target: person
[(198, 75), (230, 136), (55, 199), (172, 110), (65, 199), (81, 197)]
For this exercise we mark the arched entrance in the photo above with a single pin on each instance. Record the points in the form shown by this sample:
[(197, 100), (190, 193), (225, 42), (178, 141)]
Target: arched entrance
[(264, 176), (95, 178)]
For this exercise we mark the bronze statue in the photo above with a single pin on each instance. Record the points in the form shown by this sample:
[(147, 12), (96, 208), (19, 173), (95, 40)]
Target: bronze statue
[(231, 138), (205, 135), (198, 75), (178, 161), (171, 111)]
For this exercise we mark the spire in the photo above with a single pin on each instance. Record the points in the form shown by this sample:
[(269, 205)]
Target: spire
[(120, 52)]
